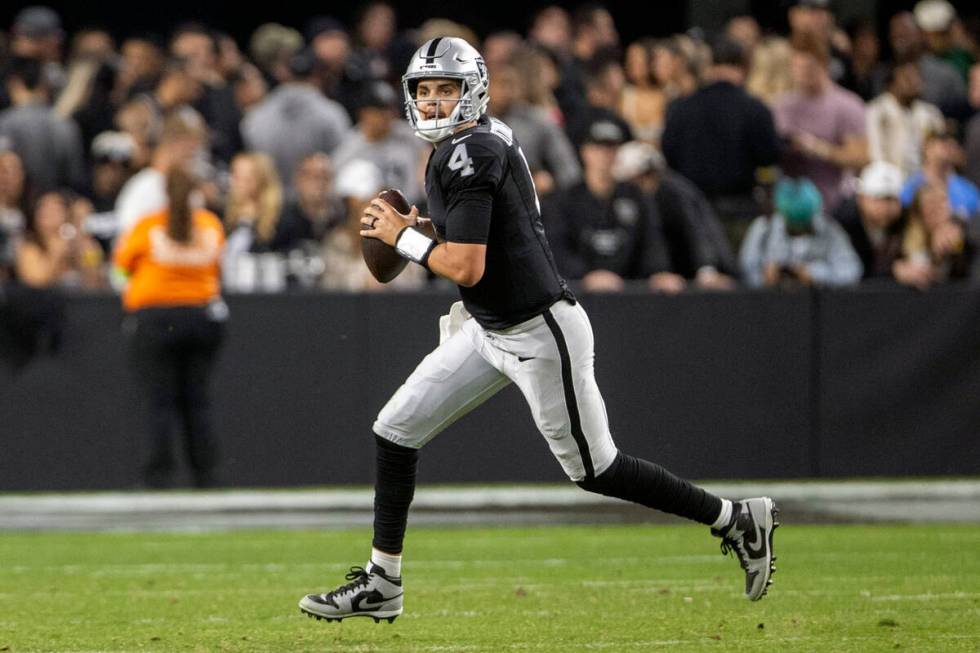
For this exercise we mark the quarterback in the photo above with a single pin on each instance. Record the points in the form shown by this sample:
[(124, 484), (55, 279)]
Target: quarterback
[(518, 323)]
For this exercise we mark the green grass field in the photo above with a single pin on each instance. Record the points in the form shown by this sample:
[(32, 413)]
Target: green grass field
[(610, 588)]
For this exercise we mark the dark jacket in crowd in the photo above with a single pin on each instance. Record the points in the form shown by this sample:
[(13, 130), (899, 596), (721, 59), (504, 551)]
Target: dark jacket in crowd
[(619, 233), (695, 237), (717, 137), (876, 258), (50, 146)]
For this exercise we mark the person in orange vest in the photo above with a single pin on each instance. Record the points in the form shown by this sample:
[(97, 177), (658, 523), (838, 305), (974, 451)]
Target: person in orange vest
[(175, 321)]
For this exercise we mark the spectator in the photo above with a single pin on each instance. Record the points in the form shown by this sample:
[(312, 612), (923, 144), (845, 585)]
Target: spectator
[(175, 323), (36, 34), (971, 143), (677, 66), (295, 119), (642, 104), (551, 28), (721, 156), (55, 251), (358, 183), (696, 241), (379, 48), (49, 145), (823, 124), (798, 244), (175, 87), (248, 86), (604, 81), (198, 47), (938, 157), (594, 31), (745, 31), (86, 98), (338, 75), (551, 32), (873, 219), (139, 120), (272, 47), (141, 63), (12, 223), (181, 139), (770, 76), (602, 232), (112, 166), (251, 219), (866, 75), (898, 120), (386, 141), (935, 18), (935, 248), (501, 47), (549, 154), (594, 41), (539, 73), (230, 57), (312, 207), (942, 85), (813, 19)]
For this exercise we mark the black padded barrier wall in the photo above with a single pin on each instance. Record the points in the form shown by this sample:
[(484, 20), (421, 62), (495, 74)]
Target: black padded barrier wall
[(713, 386)]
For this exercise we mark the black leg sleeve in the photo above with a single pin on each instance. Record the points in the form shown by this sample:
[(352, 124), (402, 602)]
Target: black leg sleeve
[(649, 484), (393, 492)]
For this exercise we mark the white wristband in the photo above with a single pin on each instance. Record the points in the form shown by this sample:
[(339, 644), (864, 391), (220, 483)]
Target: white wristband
[(414, 245)]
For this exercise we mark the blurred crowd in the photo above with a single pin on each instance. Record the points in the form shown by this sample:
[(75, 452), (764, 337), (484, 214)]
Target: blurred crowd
[(826, 155)]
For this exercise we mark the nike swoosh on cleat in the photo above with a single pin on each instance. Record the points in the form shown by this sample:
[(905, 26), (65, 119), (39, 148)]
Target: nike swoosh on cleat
[(758, 539), (374, 596)]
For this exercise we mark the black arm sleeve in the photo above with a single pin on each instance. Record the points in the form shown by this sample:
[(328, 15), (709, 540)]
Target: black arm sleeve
[(470, 179)]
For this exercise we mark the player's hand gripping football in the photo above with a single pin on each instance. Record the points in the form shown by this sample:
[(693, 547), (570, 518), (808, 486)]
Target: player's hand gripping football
[(380, 220)]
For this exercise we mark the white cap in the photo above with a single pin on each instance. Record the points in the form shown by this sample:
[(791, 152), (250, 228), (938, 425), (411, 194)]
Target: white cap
[(359, 178), (880, 179), (636, 158), (934, 15)]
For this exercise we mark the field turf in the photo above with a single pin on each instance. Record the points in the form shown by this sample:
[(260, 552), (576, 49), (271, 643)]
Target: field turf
[(562, 589)]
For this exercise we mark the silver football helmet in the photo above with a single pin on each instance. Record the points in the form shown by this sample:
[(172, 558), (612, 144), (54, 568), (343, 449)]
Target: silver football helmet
[(446, 58)]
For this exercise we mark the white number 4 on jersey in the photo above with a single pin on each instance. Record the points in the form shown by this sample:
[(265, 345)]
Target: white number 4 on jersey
[(461, 161)]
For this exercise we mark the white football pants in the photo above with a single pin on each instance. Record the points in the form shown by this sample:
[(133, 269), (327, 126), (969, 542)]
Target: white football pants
[(551, 359)]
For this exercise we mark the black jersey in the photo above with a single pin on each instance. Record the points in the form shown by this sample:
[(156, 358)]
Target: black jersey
[(480, 191)]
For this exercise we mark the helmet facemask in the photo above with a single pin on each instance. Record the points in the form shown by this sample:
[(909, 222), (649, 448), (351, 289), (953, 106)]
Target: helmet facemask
[(437, 129), (450, 59)]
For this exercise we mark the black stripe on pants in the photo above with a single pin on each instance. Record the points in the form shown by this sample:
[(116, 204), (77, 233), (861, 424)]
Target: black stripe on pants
[(570, 402)]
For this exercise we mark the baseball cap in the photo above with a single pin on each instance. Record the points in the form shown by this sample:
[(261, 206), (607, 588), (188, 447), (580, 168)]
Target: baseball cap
[(113, 146), (934, 15), (604, 132), (637, 158), (359, 178), (37, 21), (798, 200), (880, 179)]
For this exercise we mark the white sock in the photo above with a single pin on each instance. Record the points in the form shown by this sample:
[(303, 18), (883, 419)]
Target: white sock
[(392, 564), (725, 516)]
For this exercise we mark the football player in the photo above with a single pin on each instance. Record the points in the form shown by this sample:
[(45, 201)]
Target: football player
[(518, 323)]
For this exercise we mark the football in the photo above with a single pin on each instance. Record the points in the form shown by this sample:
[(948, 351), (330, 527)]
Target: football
[(382, 260)]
